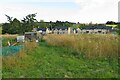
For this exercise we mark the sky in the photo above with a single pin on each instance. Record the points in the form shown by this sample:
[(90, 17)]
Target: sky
[(119, 11), (83, 11)]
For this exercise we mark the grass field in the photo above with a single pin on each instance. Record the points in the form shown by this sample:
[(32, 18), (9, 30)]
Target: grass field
[(46, 59), (88, 44)]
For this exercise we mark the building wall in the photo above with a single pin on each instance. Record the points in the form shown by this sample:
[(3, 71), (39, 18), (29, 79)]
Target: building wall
[(55, 31), (47, 31), (79, 31), (69, 30), (61, 31), (95, 31)]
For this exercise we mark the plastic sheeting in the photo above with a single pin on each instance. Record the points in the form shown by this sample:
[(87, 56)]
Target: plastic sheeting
[(10, 50)]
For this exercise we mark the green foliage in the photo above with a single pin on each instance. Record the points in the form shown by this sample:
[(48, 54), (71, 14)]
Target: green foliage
[(6, 28), (118, 29), (9, 18), (42, 23), (66, 23), (76, 25), (13, 27), (110, 22), (28, 23), (16, 26), (5, 41), (19, 27)]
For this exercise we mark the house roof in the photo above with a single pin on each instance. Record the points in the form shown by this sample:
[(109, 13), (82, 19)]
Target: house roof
[(87, 28), (60, 27), (96, 27), (39, 29), (30, 32)]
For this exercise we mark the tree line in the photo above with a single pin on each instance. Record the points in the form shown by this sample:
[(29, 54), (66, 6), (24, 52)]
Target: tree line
[(15, 26), (118, 29)]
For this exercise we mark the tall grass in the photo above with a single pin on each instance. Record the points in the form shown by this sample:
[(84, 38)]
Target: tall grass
[(6, 38), (13, 60), (87, 44), (9, 36)]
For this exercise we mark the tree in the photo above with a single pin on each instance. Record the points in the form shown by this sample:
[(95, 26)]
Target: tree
[(42, 23), (110, 22), (59, 23), (66, 23), (9, 18), (12, 27), (118, 31), (5, 28), (28, 23), (16, 26), (76, 25)]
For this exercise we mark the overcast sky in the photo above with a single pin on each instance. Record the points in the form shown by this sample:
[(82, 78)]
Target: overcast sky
[(83, 11)]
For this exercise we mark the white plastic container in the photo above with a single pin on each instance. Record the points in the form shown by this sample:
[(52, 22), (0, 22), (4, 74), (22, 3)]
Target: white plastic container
[(20, 38)]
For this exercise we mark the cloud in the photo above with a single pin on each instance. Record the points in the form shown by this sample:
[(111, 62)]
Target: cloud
[(95, 10), (47, 14)]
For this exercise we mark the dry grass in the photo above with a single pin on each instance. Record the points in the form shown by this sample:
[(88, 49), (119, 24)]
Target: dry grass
[(13, 60), (90, 45), (9, 36), (30, 45), (0, 62)]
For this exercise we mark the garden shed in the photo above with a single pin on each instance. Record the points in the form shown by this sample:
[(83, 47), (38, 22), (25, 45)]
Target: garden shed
[(30, 35)]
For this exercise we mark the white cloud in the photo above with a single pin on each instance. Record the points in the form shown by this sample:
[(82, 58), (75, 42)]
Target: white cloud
[(97, 10), (47, 14), (89, 10)]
